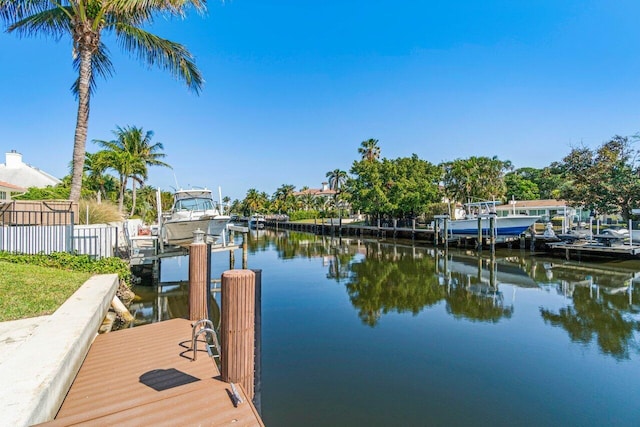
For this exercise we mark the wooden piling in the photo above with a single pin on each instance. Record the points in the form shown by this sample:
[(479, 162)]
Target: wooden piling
[(237, 329), (492, 233), (245, 251), (198, 264)]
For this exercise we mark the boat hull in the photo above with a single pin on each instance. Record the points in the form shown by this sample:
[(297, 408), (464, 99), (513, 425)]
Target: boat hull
[(180, 232), (504, 226)]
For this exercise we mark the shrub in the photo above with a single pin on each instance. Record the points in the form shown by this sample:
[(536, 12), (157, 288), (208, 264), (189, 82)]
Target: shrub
[(98, 213), (73, 262)]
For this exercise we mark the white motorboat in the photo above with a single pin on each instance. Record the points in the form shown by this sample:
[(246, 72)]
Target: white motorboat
[(193, 209), (257, 221), (505, 226)]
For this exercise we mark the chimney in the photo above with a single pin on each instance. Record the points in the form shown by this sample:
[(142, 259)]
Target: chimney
[(325, 186), (13, 160)]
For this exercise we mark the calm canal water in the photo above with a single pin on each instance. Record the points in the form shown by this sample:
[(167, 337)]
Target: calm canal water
[(383, 333)]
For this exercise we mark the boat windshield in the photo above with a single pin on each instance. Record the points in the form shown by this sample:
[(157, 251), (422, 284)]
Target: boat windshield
[(196, 204)]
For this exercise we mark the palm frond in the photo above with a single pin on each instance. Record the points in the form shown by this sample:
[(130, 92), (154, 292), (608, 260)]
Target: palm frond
[(52, 22), (163, 53), (173, 7), (14, 10)]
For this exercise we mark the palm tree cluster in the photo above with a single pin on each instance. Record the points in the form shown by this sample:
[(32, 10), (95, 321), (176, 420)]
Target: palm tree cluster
[(130, 154)]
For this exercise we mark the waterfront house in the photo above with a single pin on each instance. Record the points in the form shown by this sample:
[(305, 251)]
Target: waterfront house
[(15, 172), (8, 190), (324, 193)]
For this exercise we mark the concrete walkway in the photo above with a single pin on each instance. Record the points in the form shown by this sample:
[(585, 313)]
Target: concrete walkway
[(40, 357)]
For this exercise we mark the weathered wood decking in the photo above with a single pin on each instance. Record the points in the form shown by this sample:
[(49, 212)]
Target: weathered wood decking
[(146, 376)]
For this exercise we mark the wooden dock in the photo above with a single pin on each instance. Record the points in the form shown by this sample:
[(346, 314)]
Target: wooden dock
[(146, 376), (595, 249)]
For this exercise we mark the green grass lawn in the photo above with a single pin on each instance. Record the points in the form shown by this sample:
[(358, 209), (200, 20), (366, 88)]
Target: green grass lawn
[(29, 290)]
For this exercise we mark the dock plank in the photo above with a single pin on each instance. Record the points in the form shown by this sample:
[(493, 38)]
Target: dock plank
[(146, 375)]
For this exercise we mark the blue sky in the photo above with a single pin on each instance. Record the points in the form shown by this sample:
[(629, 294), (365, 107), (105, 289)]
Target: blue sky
[(293, 87)]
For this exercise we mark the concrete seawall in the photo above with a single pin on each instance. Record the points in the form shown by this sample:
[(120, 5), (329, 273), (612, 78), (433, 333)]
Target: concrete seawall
[(43, 355)]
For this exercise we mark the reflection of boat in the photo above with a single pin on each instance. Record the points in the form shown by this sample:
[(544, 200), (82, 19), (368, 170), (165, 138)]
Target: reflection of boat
[(504, 273), (510, 225), (256, 221), (192, 210)]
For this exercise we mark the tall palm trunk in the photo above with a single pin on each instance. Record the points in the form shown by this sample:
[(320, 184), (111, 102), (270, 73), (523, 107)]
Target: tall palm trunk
[(133, 197), (123, 187), (82, 123)]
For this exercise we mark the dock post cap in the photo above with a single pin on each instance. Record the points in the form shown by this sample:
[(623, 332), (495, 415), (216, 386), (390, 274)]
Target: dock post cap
[(198, 236), (238, 273)]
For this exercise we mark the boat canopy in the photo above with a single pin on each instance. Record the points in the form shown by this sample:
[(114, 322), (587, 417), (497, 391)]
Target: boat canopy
[(192, 194), (194, 204)]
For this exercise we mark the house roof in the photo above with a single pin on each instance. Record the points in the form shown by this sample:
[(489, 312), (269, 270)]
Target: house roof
[(533, 204), (315, 192), (15, 171), (11, 186)]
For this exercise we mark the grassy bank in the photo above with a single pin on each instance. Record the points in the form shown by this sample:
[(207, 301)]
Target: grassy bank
[(30, 290)]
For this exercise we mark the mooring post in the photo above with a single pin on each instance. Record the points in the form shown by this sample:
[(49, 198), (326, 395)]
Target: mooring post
[(198, 285), (479, 245), (245, 242), (237, 329), (492, 233), (446, 233), (257, 382)]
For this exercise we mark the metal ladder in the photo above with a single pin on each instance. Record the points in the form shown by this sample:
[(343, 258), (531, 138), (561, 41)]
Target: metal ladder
[(205, 326)]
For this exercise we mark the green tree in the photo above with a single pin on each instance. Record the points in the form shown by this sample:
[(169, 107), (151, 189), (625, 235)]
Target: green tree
[(411, 184), (86, 21), (475, 178), (605, 180), (366, 189), (520, 188)]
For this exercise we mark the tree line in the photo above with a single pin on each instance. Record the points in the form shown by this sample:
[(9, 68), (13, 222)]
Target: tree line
[(604, 180)]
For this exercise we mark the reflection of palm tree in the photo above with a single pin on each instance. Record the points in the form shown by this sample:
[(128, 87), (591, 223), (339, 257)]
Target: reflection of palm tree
[(86, 22)]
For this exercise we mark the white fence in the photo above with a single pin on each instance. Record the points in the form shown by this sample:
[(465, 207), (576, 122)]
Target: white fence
[(97, 241)]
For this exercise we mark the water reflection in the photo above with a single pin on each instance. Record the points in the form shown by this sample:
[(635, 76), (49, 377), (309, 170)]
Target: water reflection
[(595, 303), (380, 278), (168, 300), (607, 315)]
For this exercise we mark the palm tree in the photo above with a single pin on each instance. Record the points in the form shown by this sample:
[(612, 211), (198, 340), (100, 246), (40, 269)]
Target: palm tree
[(85, 21), (129, 155), (284, 199), (369, 150), (336, 178), (255, 201), (95, 165)]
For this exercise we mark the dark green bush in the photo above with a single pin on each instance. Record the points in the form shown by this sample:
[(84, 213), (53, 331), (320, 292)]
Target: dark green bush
[(73, 262)]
